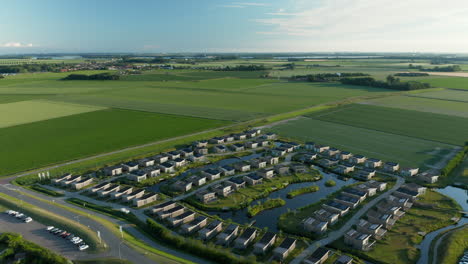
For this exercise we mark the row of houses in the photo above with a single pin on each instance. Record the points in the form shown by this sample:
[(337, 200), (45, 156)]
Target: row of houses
[(127, 194), (76, 182), (347, 200), (249, 134), (382, 217), (322, 254), (344, 162), (268, 240)]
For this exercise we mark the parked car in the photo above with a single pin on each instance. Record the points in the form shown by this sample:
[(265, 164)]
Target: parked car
[(49, 228), (64, 235), (28, 219), (76, 242), (58, 231), (83, 247), (20, 215), (53, 230)]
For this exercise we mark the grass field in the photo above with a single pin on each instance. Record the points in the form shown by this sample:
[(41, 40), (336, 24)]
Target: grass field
[(407, 151), (429, 126), (453, 246), (423, 104), (40, 143), (450, 95), (446, 82), (12, 114)]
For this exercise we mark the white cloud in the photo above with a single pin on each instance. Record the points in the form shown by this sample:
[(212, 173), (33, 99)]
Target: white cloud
[(349, 23), (16, 45)]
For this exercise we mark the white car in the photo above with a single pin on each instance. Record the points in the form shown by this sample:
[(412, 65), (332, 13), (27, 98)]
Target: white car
[(20, 215), (13, 213), (73, 239), (76, 242), (28, 219), (83, 247), (49, 228)]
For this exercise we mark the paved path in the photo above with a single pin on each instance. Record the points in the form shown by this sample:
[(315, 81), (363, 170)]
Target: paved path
[(332, 236), (437, 244)]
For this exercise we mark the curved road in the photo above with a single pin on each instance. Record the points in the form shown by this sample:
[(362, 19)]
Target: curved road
[(332, 236)]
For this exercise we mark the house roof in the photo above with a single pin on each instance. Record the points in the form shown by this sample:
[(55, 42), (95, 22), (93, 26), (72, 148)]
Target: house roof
[(287, 243), (185, 214), (248, 233), (355, 192), (237, 180), (406, 191), (179, 160), (337, 205), (344, 259), (139, 173), (161, 205), (227, 167), (319, 253), (267, 237), (131, 163), (230, 228), (101, 185), (347, 198)]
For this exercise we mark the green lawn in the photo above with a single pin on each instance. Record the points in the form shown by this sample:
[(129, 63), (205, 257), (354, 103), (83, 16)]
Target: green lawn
[(447, 82), (453, 246), (24, 112), (450, 95), (416, 124), (56, 140), (407, 151), (423, 104)]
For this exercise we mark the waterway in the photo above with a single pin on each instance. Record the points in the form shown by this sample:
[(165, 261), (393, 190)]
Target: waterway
[(459, 195), (269, 218)]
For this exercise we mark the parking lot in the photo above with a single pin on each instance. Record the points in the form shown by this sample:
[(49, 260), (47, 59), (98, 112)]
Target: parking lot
[(37, 233)]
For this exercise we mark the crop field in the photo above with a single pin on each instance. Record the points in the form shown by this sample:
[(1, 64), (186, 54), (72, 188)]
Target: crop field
[(450, 95), (444, 82), (38, 144), (407, 151), (191, 75), (429, 126), (10, 98), (423, 104), (24, 112)]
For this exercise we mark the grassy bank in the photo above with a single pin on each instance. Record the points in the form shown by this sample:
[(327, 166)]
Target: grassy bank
[(453, 246), (267, 205), (304, 190), (48, 218)]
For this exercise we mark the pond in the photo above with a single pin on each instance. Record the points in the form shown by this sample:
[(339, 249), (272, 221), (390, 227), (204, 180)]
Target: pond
[(269, 218), (459, 195)]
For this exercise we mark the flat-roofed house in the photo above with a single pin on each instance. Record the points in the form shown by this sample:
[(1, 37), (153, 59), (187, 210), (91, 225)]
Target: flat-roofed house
[(267, 173), (428, 177), (173, 154), (217, 140), (212, 174), (404, 203), (167, 167), (223, 190), (258, 163), (266, 242), (228, 138), (372, 163), (353, 192), (279, 151), (409, 171), (415, 187), (358, 240), (100, 186), (197, 157), (82, 183), (308, 158), (197, 223), (332, 152), (113, 170), (130, 166), (201, 151), (371, 191), (245, 238), (296, 168), (391, 166), (309, 145), (263, 142), (173, 212), (344, 259), (237, 147), (381, 186), (269, 136), (152, 171), (206, 196), (253, 179), (284, 249), (405, 193), (122, 191), (271, 160), (385, 219), (145, 199), (227, 235), (187, 152), (134, 194), (281, 169), (314, 225), (184, 218), (163, 207), (107, 191), (200, 144), (251, 145), (321, 148), (179, 162), (344, 155), (251, 133), (365, 174), (350, 201), (198, 180), (327, 163), (344, 169), (326, 216), (394, 210), (241, 166), (71, 180), (240, 136), (227, 170), (160, 158), (137, 175), (236, 183), (219, 149), (64, 177), (318, 257), (358, 159), (146, 162), (336, 207), (211, 230), (183, 186), (376, 230)]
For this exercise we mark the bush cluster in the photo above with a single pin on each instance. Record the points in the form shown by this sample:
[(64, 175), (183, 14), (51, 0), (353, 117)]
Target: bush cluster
[(100, 76)]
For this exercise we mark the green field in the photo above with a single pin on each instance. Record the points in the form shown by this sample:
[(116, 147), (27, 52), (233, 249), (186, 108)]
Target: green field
[(446, 82), (423, 104), (449, 95), (38, 144), (407, 151), (23, 112), (429, 126)]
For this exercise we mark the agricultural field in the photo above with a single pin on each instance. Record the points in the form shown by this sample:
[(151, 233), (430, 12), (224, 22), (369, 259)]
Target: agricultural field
[(42, 143), (429, 126), (449, 95), (23, 112), (423, 104), (444, 82), (408, 151)]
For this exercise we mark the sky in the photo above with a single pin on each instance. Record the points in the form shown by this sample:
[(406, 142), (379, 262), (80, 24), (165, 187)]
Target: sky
[(164, 26)]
